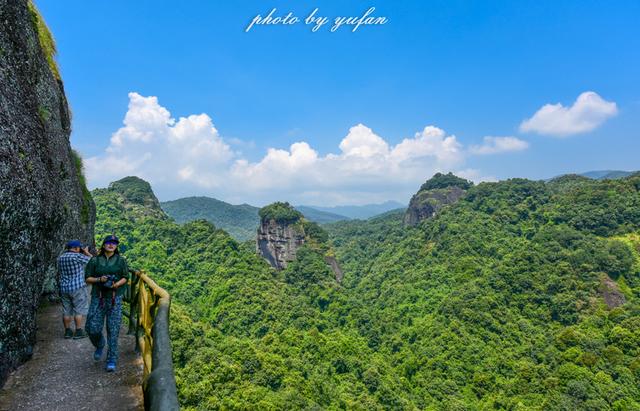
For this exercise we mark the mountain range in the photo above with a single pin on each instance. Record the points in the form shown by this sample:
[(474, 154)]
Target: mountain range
[(361, 212), (607, 174), (241, 221), (518, 295)]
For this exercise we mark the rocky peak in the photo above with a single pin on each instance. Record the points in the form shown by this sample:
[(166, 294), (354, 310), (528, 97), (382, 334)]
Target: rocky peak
[(136, 195), (283, 230), (280, 234), (435, 193), (136, 191)]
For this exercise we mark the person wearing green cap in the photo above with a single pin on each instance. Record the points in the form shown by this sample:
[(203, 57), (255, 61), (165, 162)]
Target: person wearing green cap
[(108, 273)]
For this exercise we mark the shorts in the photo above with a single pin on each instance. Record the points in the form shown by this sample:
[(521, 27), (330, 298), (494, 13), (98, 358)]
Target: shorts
[(75, 302)]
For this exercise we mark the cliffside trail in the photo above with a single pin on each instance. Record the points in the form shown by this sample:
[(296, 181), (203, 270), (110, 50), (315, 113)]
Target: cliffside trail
[(62, 375)]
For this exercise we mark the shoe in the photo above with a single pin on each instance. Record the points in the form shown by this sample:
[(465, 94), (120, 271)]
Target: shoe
[(80, 333), (97, 355), (68, 333), (111, 366)]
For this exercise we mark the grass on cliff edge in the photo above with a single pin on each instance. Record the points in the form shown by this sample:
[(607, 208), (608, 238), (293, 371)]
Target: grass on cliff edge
[(47, 43), (86, 195)]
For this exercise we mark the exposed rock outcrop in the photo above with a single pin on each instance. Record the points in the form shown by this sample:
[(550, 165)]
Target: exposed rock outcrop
[(439, 191), (335, 267), (278, 242), (283, 230), (426, 204), (610, 292), (43, 199)]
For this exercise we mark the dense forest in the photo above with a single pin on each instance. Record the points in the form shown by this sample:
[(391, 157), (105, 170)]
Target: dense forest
[(521, 295), (240, 221)]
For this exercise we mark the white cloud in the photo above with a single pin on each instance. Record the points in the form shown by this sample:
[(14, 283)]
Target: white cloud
[(432, 141), (363, 142), (188, 157), (154, 146), (366, 164), (495, 145), (144, 119), (587, 112)]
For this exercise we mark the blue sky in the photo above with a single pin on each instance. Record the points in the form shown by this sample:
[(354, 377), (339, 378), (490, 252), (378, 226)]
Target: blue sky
[(469, 69)]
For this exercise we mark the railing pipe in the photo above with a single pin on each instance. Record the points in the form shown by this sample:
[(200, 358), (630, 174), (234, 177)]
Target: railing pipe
[(151, 305)]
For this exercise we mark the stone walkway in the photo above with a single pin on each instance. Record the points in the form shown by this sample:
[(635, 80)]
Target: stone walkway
[(62, 375)]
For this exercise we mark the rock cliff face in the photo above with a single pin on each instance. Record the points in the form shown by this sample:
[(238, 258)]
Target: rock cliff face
[(335, 267), (43, 198), (610, 292), (283, 230), (278, 242), (439, 191), (425, 204)]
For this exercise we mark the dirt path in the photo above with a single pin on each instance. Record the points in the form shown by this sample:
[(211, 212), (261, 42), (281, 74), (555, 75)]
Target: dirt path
[(62, 375)]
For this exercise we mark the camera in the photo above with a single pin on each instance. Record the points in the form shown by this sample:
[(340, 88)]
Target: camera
[(110, 280)]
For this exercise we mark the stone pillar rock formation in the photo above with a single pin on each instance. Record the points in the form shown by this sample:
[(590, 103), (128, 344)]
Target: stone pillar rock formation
[(278, 242)]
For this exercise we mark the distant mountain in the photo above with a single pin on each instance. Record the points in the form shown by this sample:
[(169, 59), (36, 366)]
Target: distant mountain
[(135, 195), (607, 174), (360, 212), (320, 217), (135, 190), (240, 221)]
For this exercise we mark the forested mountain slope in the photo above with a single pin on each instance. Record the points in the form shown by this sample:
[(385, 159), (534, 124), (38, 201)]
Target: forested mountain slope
[(320, 217), (496, 302), (240, 221)]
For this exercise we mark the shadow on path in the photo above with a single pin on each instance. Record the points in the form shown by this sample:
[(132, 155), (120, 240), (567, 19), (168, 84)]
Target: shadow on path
[(62, 374)]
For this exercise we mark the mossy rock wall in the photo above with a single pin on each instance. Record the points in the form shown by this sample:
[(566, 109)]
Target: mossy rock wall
[(43, 202)]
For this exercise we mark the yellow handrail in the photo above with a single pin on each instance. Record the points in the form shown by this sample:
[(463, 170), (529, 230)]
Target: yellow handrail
[(148, 298), (150, 304)]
